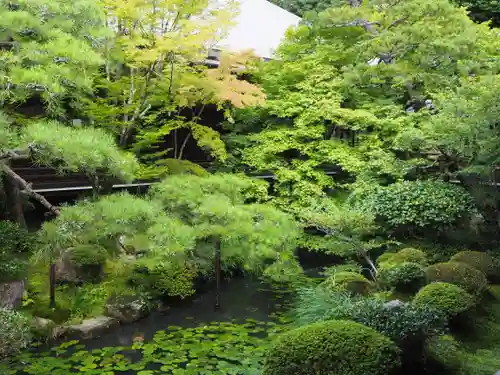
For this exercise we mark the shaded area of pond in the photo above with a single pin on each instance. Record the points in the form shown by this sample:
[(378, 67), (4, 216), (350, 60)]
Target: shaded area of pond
[(191, 338), (240, 299)]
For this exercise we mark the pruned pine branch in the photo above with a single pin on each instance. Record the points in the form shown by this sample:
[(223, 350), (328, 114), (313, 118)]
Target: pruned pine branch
[(360, 249)]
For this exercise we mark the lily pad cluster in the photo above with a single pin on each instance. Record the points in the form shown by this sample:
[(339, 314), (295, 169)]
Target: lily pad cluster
[(216, 348)]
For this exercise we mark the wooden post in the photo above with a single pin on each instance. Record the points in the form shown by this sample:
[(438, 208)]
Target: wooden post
[(217, 274), (52, 281)]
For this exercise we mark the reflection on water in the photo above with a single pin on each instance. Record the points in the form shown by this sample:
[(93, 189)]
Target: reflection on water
[(240, 299)]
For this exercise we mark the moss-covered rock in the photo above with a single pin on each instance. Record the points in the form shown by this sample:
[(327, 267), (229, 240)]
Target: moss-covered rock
[(480, 261), (350, 282), (83, 263), (461, 274), (332, 347), (448, 298), (408, 255), (407, 276)]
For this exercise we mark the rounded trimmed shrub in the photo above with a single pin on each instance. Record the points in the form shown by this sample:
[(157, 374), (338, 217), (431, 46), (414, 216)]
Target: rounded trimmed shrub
[(339, 347), (404, 323), (404, 276), (448, 298), (408, 255), (14, 332), (350, 282), (480, 261), (461, 274), (444, 352)]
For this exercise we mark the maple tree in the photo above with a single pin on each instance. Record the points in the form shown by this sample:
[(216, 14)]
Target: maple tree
[(155, 80)]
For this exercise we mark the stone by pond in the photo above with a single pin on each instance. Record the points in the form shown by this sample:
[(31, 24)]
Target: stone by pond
[(191, 339)]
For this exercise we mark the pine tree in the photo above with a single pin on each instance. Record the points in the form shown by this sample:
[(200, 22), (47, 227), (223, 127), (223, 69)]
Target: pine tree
[(50, 53)]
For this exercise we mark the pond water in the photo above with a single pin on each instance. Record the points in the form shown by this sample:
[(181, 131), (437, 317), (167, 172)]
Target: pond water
[(191, 338)]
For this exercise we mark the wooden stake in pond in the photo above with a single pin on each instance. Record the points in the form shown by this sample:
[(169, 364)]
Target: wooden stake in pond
[(217, 275), (52, 281)]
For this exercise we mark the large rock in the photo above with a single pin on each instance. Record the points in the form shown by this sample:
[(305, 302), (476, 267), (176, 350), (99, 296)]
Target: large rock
[(45, 328), (127, 311), (395, 303), (66, 271), (92, 328), (11, 294)]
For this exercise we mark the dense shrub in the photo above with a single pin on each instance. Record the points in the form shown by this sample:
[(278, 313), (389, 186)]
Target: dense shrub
[(402, 256), (480, 261), (14, 241), (406, 276), (172, 279), (410, 205), (402, 322), (11, 268), (469, 278), (88, 255), (14, 332), (451, 299), (332, 347), (350, 282), (443, 352)]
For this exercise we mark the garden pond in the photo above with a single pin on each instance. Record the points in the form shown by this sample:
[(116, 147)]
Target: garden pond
[(192, 338)]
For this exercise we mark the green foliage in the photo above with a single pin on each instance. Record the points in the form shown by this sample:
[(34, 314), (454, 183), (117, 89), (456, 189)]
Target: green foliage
[(15, 243), (172, 167), (11, 268), (482, 10), (214, 207), (461, 274), (405, 324), (402, 323), (98, 222), (346, 267), (50, 50), (84, 149), (217, 347), (418, 204), (300, 7), (404, 276), (335, 346), (445, 351), (77, 302), (335, 228), (87, 255), (14, 332), (448, 298), (15, 239), (481, 261), (409, 254), (362, 109), (178, 226), (350, 282), (174, 279)]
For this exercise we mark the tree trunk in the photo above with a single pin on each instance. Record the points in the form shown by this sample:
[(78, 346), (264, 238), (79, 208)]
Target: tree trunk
[(20, 182), (14, 201)]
